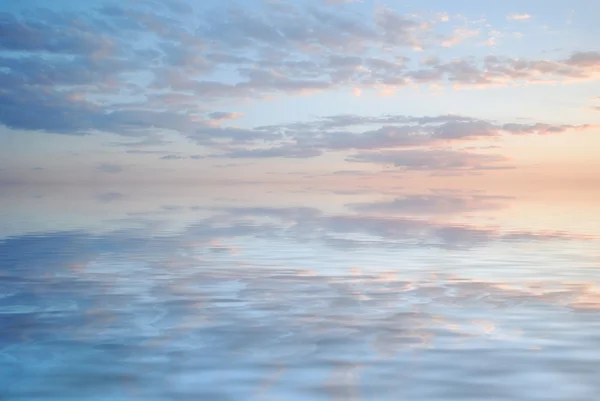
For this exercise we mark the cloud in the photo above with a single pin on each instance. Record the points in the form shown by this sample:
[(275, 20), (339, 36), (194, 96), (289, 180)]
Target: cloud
[(176, 156), (350, 172), (210, 134), (51, 35), (293, 152), (518, 17), (147, 152), (172, 157), (223, 115), (543, 129), (460, 35), (110, 168), (502, 71), (433, 160), (584, 59), (340, 133), (150, 140), (152, 66), (110, 196), (298, 27)]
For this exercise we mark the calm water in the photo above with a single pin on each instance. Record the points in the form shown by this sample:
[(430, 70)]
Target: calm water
[(247, 294)]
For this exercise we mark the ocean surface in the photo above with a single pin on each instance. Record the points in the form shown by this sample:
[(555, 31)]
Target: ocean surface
[(246, 293)]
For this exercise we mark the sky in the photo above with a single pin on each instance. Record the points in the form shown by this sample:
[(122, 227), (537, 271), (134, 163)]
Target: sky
[(197, 182), (326, 93)]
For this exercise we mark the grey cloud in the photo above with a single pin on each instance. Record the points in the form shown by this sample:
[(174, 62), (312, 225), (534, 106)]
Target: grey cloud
[(148, 19), (146, 152), (390, 136), (350, 172), (110, 168), (149, 140), (584, 59), (499, 70), (172, 157), (350, 132), (50, 93), (76, 70), (33, 109), (110, 196), (261, 79), (223, 115), (540, 128), (431, 160), (397, 29), (177, 55), (41, 34), (350, 120), (225, 58), (293, 27), (465, 129), (385, 137), (207, 90), (293, 152), (208, 134)]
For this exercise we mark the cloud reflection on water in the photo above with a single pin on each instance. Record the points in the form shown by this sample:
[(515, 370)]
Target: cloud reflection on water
[(275, 302)]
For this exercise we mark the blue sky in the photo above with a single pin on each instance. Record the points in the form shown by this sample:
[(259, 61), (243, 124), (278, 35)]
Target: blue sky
[(278, 91)]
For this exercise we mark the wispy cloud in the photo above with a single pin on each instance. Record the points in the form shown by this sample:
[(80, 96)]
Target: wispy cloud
[(223, 115), (433, 160), (110, 168), (172, 157), (460, 35), (518, 17)]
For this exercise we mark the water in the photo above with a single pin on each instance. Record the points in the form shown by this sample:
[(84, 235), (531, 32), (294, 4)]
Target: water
[(246, 294)]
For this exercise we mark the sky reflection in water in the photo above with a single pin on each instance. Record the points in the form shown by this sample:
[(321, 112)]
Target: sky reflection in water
[(433, 296)]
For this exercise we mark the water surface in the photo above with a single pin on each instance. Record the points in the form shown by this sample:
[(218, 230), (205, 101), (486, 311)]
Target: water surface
[(248, 295)]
